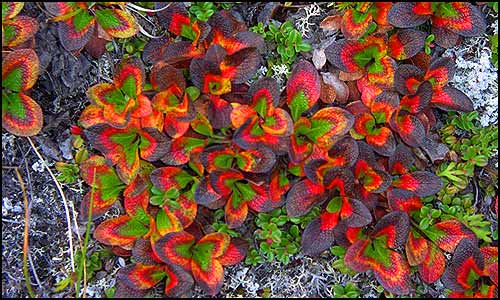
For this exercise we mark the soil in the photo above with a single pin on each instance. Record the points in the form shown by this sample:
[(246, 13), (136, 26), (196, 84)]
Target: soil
[(60, 91)]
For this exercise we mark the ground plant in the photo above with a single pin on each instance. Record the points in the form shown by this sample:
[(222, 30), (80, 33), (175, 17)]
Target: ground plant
[(193, 161)]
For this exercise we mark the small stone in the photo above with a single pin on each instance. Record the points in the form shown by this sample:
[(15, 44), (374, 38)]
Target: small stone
[(100, 275)]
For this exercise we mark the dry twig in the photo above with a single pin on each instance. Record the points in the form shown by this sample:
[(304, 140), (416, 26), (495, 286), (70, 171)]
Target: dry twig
[(65, 202), (26, 232)]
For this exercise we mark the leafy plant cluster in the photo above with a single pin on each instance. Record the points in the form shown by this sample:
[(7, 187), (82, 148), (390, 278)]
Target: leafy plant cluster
[(278, 236), (472, 149), (189, 136), (284, 40)]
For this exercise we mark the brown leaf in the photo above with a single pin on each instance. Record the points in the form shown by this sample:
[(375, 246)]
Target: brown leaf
[(328, 93), (341, 88), (351, 76), (354, 94), (331, 23)]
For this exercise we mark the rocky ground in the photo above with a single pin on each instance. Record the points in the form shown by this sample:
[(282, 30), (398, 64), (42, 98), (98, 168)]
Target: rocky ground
[(60, 91)]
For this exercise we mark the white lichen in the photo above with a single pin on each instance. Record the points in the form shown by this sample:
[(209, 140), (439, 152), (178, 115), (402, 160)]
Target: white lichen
[(303, 24), (280, 73), (38, 166), (477, 77)]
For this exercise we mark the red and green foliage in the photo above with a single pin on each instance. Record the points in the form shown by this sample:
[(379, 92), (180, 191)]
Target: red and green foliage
[(449, 20), (16, 30), (204, 258), (21, 115), (82, 24), (209, 140), (120, 102)]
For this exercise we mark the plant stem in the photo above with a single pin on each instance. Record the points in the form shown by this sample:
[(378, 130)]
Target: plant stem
[(82, 267)]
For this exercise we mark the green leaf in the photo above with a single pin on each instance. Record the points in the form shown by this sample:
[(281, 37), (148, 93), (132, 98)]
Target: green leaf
[(129, 88), (319, 127), (133, 228), (378, 250), (157, 200), (338, 251), (334, 205), (193, 92), (81, 20), (13, 81), (172, 193), (163, 221), (246, 190), (12, 103), (107, 18), (183, 178), (261, 107), (298, 105), (303, 47), (224, 161), (202, 255)]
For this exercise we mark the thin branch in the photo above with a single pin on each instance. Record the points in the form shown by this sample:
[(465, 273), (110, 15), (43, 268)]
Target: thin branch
[(26, 168), (140, 8), (83, 262), (65, 202), (143, 31), (26, 233)]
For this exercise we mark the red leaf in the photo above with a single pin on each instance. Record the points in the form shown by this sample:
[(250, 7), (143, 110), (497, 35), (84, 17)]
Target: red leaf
[(405, 44), (209, 278), (140, 276), (341, 54), (303, 86), (407, 79), (23, 28), (449, 98), (409, 127), (447, 234), (235, 253), (420, 100), (355, 256), (163, 76), (421, 182), (401, 161), (354, 24), (71, 39), (467, 260), (404, 200), (175, 248), (417, 248), (303, 196), (433, 265), (236, 211), (329, 123), (260, 160), (466, 19), (181, 150), (21, 115), (316, 240), (120, 231), (395, 226), (205, 194), (395, 278), (440, 72), (405, 15), (373, 180), (179, 283), (218, 241), (223, 180)]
